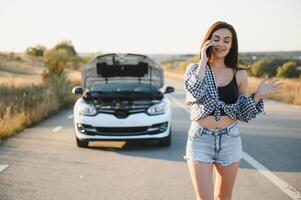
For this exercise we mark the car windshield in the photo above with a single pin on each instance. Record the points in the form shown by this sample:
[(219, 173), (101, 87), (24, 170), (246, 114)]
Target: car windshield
[(121, 86)]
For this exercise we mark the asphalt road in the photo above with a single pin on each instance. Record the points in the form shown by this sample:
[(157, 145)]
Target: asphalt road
[(43, 162)]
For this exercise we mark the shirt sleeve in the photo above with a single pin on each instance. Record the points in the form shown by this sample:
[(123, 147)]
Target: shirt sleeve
[(194, 86), (247, 109)]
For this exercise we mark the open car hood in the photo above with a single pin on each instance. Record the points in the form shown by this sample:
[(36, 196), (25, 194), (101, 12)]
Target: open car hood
[(128, 68)]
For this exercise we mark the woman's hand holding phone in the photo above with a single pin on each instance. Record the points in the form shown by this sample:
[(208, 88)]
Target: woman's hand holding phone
[(207, 50), (203, 62)]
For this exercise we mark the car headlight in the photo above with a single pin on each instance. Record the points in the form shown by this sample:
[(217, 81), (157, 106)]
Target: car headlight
[(157, 108), (86, 109)]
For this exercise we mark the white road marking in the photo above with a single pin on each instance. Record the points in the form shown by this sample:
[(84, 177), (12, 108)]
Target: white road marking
[(284, 186), (179, 103), (56, 129), (3, 167), (70, 116)]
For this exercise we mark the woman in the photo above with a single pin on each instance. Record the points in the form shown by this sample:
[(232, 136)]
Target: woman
[(216, 93)]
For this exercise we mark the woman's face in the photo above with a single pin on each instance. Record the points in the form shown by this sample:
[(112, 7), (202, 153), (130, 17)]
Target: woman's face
[(222, 39)]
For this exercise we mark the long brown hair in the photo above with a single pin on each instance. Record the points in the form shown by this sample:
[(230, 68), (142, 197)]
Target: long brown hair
[(231, 59)]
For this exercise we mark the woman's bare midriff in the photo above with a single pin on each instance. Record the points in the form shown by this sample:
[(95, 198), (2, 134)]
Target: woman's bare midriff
[(209, 122)]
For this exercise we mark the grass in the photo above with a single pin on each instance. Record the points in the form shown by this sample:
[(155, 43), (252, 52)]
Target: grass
[(25, 106), (18, 70), (25, 99), (16, 81)]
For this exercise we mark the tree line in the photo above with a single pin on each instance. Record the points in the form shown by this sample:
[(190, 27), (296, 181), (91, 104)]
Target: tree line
[(62, 55), (275, 68)]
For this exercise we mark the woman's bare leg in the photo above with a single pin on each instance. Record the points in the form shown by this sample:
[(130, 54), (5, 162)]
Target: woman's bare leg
[(201, 175), (224, 180)]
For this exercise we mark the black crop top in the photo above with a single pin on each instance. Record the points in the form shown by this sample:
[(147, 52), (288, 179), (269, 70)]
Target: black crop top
[(228, 93)]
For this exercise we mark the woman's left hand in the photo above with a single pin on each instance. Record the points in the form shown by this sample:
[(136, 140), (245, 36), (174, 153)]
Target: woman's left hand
[(266, 88)]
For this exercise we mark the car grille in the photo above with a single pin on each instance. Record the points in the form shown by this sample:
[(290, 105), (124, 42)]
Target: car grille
[(123, 131)]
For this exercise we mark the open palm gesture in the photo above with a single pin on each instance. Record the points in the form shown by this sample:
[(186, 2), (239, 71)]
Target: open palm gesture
[(270, 87)]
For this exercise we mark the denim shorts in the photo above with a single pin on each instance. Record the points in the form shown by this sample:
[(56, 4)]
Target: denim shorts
[(214, 145)]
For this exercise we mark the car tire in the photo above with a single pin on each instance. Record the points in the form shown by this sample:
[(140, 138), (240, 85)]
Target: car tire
[(82, 143), (166, 141)]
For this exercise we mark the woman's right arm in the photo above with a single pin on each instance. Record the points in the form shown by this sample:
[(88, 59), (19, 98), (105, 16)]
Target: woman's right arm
[(195, 82), (195, 79)]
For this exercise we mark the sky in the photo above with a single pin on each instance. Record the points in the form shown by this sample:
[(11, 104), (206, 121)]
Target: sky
[(148, 26)]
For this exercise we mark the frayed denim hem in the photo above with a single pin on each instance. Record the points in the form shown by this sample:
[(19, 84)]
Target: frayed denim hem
[(223, 164), (198, 160)]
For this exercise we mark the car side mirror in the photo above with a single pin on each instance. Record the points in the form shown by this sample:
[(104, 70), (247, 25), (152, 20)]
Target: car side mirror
[(169, 89), (77, 90)]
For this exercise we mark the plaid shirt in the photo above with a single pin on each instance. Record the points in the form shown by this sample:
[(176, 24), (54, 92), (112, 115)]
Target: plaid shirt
[(202, 97)]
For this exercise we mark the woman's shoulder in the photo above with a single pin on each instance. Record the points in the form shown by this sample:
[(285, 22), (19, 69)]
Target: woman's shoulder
[(241, 72), (241, 75)]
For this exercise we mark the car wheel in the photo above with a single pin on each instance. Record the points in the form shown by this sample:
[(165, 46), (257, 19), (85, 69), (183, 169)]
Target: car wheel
[(82, 143), (166, 141)]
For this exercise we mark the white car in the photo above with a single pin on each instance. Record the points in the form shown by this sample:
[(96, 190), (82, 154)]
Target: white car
[(122, 99)]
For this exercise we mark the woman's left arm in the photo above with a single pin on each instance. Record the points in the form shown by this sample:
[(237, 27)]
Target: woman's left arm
[(250, 106), (247, 107)]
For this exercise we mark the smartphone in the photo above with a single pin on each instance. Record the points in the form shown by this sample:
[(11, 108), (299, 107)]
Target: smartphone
[(209, 51)]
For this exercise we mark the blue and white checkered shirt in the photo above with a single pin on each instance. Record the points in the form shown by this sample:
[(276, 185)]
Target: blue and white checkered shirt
[(202, 97)]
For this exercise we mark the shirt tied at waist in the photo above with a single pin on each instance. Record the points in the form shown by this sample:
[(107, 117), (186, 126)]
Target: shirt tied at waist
[(229, 110)]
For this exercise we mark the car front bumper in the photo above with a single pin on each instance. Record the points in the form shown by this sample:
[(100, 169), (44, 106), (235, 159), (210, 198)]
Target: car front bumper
[(134, 127)]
